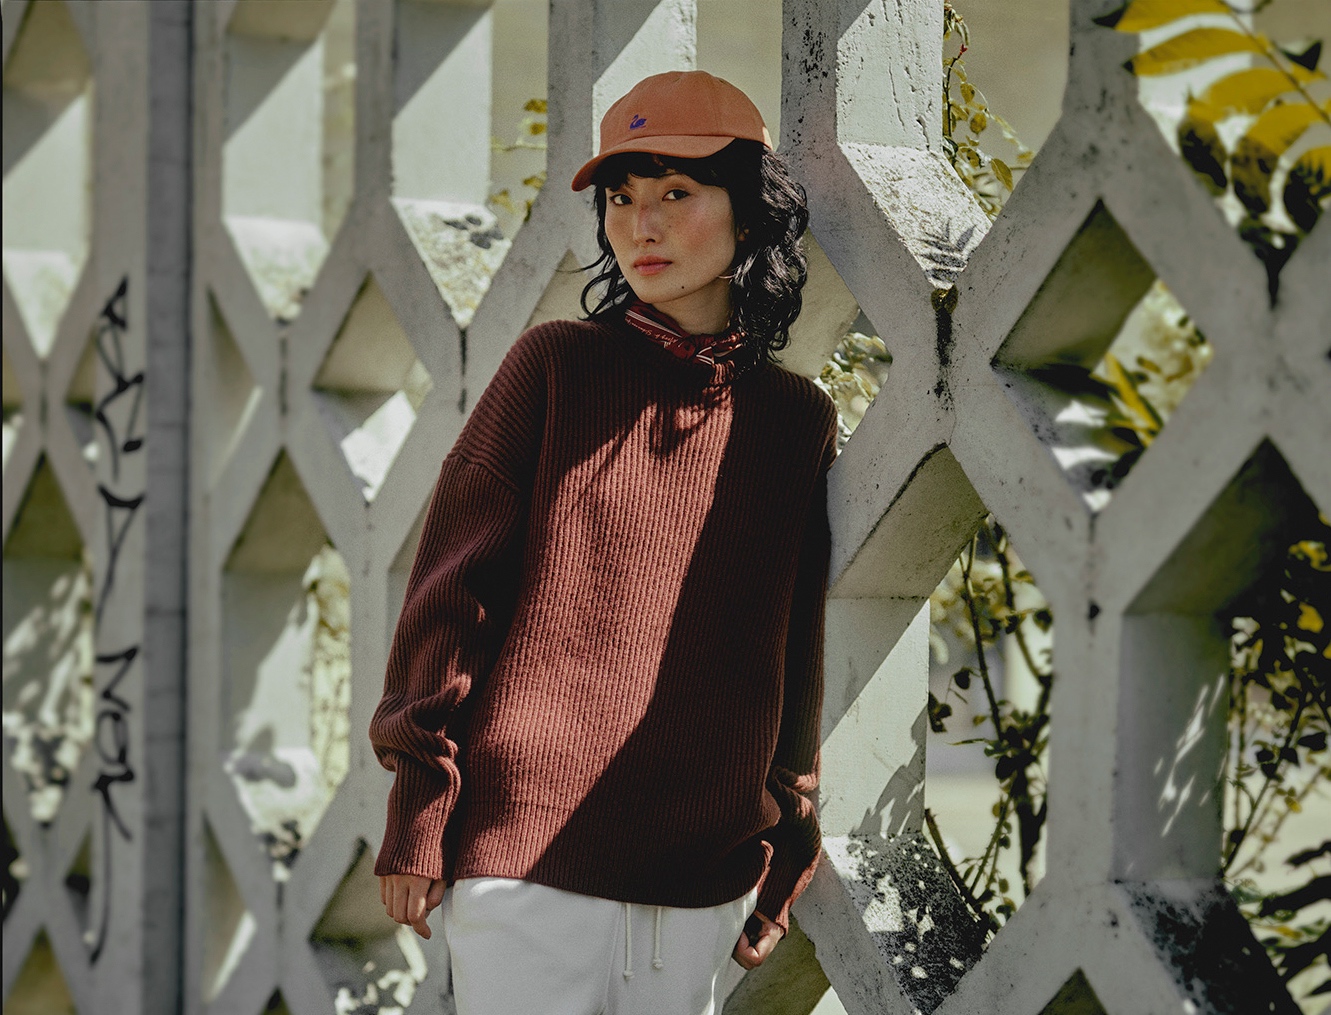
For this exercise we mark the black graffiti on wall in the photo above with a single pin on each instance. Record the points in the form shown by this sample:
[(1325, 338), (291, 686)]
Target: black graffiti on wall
[(119, 414)]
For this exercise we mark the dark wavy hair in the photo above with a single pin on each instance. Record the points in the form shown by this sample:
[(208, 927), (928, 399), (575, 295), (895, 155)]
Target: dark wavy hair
[(771, 214)]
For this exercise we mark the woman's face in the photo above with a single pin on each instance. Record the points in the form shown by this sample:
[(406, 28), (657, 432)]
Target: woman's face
[(674, 238)]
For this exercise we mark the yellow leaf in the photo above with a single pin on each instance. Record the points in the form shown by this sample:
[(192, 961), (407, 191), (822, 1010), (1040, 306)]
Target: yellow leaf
[(1191, 48), (1294, 806), (1126, 390), (535, 106), (1002, 171), (1280, 126), (978, 122), (1249, 91), (1140, 15), (1309, 618), (535, 128)]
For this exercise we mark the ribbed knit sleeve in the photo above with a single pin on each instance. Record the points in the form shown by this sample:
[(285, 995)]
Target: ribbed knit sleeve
[(793, 778), (456, 610)]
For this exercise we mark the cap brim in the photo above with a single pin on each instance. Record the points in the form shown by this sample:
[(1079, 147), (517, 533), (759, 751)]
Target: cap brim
[(686, 146)]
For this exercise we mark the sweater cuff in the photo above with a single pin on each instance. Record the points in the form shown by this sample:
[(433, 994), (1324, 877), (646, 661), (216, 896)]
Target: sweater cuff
[(786, 878), (419, 805)]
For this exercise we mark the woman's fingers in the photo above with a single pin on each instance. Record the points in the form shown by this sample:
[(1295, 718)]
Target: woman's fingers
[(752, 949), (416, 909), (408, 899), (435, 896)]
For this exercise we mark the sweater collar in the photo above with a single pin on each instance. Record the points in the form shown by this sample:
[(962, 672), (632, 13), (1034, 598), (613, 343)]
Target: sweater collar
[(718, 358)]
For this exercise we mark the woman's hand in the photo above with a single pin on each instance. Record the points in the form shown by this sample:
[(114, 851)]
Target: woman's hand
[(752, 948), (409, 898)]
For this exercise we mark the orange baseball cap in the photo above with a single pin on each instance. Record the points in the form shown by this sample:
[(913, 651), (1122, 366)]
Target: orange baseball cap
[(688, 113)]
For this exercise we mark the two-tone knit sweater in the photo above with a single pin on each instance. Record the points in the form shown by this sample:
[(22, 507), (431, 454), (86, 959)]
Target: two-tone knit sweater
[(607, 672)]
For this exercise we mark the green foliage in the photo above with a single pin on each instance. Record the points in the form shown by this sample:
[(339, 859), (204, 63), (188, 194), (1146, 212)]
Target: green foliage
[(966, 116), (1242, 134), (1281, 649), (531, 137), (1141, 394), (987, 597), (853, 377), (1277, 758)]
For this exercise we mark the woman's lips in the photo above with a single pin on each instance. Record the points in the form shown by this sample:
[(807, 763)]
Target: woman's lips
[(650, 265)]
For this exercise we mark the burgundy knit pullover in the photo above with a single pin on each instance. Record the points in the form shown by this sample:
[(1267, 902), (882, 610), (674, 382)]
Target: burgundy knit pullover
[(607, 673)]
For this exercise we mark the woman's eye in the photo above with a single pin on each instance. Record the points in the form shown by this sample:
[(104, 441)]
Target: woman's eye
[(619, 199), (675, 193)]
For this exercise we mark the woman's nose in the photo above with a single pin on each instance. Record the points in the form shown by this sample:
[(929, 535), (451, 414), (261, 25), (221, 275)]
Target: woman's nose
[(646, 225)]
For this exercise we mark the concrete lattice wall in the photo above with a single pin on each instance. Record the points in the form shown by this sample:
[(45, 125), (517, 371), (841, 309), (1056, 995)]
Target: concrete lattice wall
[(251, 282)]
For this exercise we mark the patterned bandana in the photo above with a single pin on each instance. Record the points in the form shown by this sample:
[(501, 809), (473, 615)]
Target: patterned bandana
[(662, 329)]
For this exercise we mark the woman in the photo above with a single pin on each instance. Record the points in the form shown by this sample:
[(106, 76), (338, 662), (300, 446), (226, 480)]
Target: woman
[(602, 698)]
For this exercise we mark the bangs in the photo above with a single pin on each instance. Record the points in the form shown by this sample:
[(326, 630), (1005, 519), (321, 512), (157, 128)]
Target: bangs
[(611, 174)]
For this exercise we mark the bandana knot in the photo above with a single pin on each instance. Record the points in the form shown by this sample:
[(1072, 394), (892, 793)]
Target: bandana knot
[(662, 329)]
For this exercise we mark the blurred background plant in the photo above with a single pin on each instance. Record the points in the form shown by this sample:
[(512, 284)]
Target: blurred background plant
[(1258, 137), (988, 603), (531, 137)]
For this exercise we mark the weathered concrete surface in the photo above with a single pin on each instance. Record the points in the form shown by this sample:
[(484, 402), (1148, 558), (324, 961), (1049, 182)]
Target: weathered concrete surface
[(245, 270)]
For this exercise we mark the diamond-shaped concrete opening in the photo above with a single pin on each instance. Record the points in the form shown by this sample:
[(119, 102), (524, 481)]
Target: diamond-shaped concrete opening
[(836, 344), (560, 300), (14, 872), (990, 680), (13, 409), (80, 400), (467, 77), (40, 988), (367, 959), (289, 155), (908, 814), (229, 927), (48, 167), (1238, 93), (370, 387), (741, 42), (518, 86), (1224, 674), (1075, 997), (1004, 71), (79, 884), (1100, 358), (287, 689), (48, 646), (232, 391)]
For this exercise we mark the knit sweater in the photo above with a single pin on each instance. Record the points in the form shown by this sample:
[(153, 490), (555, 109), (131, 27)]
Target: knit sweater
[(607, 672)]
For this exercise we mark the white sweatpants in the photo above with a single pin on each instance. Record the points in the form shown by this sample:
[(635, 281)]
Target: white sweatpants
[(519, 947)]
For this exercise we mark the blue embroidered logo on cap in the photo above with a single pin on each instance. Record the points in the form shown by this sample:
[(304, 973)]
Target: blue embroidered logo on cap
[(637, 121)]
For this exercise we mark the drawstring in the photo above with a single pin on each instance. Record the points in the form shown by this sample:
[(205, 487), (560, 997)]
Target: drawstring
[(657, 961), (628, 941)]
